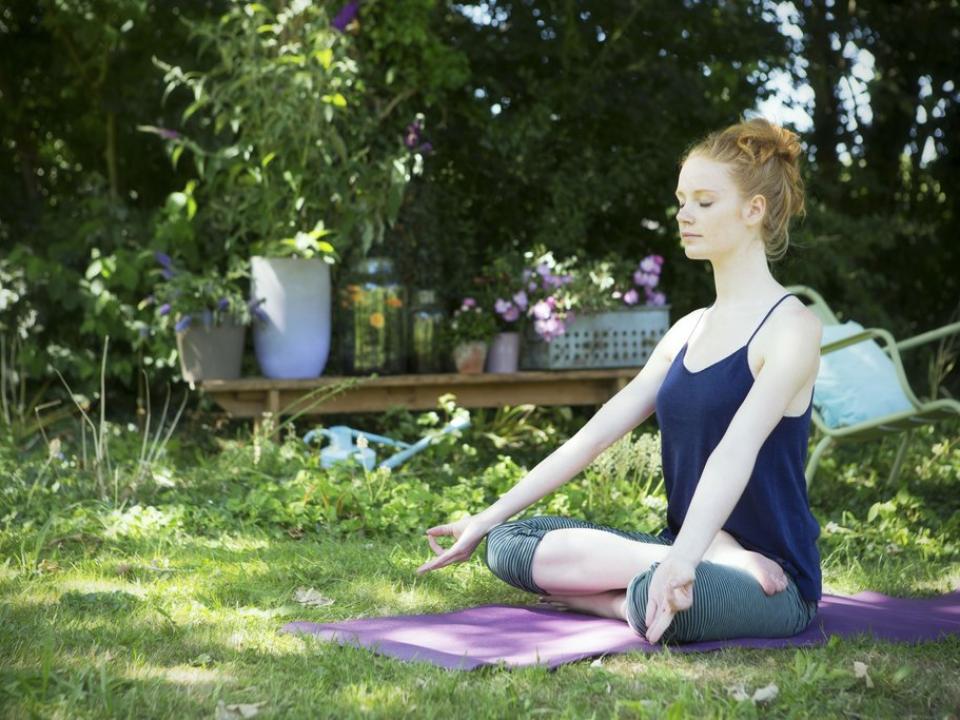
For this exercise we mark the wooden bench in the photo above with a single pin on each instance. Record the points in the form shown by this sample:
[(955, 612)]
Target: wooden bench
[(252, 397)]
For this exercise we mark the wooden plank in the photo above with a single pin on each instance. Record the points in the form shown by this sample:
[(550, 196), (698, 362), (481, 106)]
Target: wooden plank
[(249, 397)]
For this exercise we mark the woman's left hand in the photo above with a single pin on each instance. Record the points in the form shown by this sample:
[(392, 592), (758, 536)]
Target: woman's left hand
[(671, 591)]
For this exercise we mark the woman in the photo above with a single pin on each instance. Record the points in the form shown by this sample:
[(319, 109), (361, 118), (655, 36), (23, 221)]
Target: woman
[(732, 387)]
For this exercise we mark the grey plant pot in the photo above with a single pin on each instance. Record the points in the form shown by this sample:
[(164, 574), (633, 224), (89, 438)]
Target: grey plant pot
[(213, 353)]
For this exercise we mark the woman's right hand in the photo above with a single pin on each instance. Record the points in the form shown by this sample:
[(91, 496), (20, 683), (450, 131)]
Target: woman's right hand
[(467, 532)]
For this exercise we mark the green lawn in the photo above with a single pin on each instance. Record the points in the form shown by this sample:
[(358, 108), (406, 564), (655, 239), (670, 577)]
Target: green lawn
[(170, 625)]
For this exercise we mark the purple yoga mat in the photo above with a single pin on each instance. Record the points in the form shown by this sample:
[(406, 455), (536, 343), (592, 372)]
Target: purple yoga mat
[(520, 635)]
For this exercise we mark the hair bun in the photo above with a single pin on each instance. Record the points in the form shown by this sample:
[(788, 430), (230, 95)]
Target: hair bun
[(761, 140)]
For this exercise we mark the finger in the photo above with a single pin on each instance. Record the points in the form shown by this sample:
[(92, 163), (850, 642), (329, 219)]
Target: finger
[(659, 625), (439, 562), (681, 598), (435, 546), (652, 609)]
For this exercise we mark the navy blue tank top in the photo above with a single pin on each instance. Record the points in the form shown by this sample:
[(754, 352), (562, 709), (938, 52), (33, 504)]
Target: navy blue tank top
[(773, 515)]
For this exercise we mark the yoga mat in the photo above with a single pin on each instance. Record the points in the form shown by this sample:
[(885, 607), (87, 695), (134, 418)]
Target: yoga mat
[(521, 635)]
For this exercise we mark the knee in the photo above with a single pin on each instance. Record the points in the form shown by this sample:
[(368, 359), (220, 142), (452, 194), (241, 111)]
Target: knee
[(509, 552)]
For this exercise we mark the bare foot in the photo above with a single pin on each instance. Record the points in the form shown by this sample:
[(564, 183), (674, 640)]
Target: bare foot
[(765, 571), (727, 551), (611, 604)]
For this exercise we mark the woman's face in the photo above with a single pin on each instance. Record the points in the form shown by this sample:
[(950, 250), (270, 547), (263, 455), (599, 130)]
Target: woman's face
[(714, 218)]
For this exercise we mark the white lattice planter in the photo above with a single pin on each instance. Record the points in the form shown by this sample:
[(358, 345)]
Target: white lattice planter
[(617, 338)]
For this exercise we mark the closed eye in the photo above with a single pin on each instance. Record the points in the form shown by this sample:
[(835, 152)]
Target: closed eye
[(703, 204)]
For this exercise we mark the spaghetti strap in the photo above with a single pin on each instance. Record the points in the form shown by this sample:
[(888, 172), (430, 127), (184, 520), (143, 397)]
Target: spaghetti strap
[(769, 312), (697, 323)]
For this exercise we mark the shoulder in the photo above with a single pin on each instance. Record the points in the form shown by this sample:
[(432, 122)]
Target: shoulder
[(795, 320), (793, 338)]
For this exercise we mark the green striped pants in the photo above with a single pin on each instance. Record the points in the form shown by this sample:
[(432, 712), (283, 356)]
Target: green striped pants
[(727, 602)]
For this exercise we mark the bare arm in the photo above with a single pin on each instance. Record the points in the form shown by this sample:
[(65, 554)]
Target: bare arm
[(623, 412), (795, 358)]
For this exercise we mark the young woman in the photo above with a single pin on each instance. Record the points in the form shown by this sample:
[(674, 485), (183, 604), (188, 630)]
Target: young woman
[(732, 386)]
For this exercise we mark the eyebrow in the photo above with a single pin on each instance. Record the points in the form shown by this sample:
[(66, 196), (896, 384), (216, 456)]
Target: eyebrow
[(698, 192)]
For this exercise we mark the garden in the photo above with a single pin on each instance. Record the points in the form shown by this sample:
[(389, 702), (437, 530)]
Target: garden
[(467, 212)]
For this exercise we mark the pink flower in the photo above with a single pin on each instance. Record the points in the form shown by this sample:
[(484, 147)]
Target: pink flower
[(521, 300), (469, 303), (552, 302), (631, 297), (541, 310), (501, 305)]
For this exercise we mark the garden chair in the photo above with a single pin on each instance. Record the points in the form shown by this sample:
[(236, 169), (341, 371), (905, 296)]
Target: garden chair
[(863, 393)]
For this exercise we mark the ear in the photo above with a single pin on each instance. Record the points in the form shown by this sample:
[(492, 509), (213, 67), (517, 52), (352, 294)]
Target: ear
[(754, 210)]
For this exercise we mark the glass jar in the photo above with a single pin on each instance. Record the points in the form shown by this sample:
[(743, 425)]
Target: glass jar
[(373, 311), (427, 319)]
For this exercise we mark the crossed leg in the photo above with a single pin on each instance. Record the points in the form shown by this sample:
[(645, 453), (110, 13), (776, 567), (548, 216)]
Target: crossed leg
[(589, 570)]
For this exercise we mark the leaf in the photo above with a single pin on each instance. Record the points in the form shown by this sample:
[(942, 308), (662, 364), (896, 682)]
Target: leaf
[(336, 99), (267, 159), (238, 711), (311, 598), (325, 57), (766, 694), (860, 671)]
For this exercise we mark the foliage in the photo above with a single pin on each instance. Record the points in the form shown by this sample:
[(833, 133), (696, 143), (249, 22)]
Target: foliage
[(471, 322), (285, 141), (183, 298)]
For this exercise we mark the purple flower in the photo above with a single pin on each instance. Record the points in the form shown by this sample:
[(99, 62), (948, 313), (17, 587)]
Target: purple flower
[(425, 149), (631, 297), (468, 302), (521, 300), (512, 313), (167, 134), (167, 274), (182, 324), (526, 274), (164, 309), (346, 15), (541, 310), (501, 305), (649, 264), (259, 313), (412, 136), (163, 259), (543, 270), (655, 298), (223, 304), (532, 286), (645, 279)]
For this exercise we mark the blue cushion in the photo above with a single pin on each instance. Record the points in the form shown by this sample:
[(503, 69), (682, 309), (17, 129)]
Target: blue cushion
[(856, 383)]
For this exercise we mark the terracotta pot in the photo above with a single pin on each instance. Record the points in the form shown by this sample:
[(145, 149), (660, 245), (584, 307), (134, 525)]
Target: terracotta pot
[(504, 353), (469, 357)]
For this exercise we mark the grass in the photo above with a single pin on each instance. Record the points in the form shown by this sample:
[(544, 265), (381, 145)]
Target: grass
[(168, 625)]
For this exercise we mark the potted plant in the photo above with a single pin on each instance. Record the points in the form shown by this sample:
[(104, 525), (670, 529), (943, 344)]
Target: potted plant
[(606, 313), (470, 330), (507, 296), (208, 313), (294, 154)]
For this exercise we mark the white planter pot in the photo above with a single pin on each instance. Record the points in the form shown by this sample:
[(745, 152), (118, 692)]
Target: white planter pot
[(292, 340), (213, 353)]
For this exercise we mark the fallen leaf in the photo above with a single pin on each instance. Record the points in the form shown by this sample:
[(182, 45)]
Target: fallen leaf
[(738, 693), (238, 711), (311, 598), (597, 663), (766, 694), (860, 671)]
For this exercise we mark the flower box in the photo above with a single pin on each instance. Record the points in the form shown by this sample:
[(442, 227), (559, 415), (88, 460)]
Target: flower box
[(612, 339)]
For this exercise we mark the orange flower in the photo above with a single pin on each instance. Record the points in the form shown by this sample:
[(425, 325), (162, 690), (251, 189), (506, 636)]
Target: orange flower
[(394, 302), (376, 320)]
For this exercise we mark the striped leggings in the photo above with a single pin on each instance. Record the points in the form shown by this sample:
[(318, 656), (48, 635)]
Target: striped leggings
[(727, 602)]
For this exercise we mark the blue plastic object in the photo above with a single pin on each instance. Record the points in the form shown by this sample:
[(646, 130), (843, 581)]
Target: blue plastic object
[(342, 447)]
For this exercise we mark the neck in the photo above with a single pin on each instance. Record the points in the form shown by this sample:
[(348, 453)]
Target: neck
[(742, 278)]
